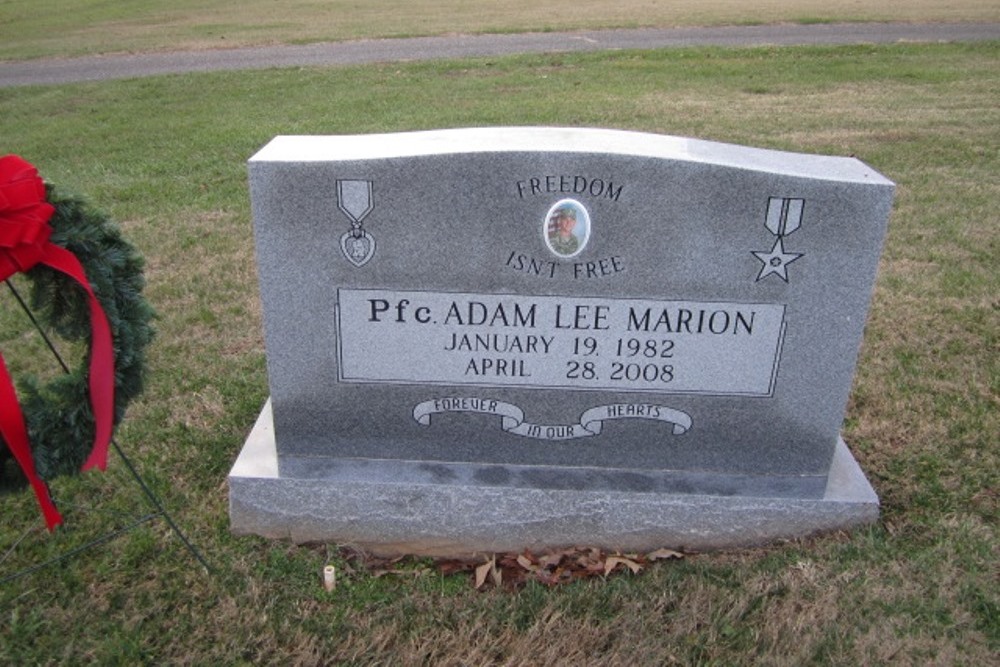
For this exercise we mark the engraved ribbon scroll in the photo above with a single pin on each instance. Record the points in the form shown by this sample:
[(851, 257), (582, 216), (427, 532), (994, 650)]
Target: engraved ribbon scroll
[(591, 421)]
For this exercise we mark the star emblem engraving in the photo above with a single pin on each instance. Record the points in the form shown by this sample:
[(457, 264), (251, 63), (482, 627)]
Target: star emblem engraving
[(775, 261)]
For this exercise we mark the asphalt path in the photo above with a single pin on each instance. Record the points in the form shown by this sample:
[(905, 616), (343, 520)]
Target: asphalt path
[(127, 66)]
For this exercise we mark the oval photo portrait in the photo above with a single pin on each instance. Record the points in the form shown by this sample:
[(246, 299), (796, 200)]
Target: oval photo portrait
[(566, 228)]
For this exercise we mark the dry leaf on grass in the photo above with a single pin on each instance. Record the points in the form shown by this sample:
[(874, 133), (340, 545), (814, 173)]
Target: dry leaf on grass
[(489, 569), (482, 572), (525, 562), (614, 561), (551, 560)]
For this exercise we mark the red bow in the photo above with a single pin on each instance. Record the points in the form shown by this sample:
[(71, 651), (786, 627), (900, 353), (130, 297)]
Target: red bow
[(24, 242)]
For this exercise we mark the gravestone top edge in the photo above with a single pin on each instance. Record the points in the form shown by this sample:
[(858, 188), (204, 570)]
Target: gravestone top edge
[(359, 147)]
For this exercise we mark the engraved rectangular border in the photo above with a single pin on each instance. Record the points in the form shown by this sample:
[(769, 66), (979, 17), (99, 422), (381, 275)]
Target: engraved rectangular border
[(341, 377)]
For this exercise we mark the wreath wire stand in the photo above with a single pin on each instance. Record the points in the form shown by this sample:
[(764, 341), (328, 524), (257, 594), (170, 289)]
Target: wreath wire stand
[(160, 510)]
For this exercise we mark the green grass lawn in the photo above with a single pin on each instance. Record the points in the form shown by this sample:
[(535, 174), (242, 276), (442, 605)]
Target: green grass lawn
[(166, 157), (37, 28)]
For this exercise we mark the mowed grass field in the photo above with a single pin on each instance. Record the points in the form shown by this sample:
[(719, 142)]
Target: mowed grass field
[(37, 28), (165, 156)]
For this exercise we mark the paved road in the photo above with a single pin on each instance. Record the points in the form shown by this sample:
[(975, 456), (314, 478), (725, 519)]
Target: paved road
[(98, 68)]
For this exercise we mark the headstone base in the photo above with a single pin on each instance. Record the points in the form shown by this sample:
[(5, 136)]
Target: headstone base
[(392, 518)]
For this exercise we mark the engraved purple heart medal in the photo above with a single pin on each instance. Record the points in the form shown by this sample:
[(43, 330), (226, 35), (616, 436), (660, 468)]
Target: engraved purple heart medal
[(354, 198)]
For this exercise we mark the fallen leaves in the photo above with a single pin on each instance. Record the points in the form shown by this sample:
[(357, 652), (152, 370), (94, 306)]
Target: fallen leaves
[(513, 570), (554, 567)]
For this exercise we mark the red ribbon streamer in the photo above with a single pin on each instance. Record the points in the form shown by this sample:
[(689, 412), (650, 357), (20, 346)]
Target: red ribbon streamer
[(24, 242), (16, 435)]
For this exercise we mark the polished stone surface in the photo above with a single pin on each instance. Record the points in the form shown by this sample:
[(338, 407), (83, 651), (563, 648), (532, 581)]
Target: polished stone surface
[(378, 255), (560, 315)]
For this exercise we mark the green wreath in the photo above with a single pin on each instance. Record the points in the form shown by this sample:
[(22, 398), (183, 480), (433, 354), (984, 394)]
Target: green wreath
[(58, 414)]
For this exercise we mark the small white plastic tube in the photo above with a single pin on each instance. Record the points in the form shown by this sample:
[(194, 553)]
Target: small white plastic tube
[(329, 577)]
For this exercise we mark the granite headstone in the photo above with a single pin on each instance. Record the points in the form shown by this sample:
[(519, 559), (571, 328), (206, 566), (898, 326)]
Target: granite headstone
[(505, 338)]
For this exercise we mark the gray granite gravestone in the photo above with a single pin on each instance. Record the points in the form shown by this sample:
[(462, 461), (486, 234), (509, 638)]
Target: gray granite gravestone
[(508, 338)]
